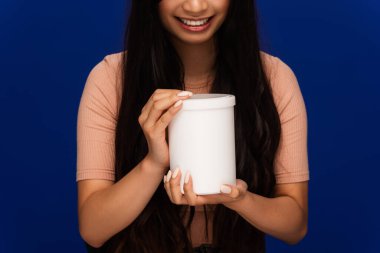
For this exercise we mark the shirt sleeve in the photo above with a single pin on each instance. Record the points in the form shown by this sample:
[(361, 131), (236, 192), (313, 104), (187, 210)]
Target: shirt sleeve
[(291, 160), (96, 123)]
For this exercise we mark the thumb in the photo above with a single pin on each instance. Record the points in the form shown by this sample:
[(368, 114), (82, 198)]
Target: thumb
[(241, 185), (234, 191)]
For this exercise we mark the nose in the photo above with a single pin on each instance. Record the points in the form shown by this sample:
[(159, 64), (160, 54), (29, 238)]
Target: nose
[(195, 7)]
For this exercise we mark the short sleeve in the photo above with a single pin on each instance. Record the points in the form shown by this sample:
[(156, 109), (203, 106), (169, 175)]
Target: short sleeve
[(96, 123), (291, 160)]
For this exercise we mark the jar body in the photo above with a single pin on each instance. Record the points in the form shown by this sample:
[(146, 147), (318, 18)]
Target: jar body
[(202, 141)]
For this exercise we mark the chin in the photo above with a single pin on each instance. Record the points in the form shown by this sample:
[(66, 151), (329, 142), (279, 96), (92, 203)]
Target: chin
[(195, 41)]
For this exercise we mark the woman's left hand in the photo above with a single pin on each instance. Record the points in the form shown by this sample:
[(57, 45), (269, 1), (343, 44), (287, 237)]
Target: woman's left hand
[(230, 194)]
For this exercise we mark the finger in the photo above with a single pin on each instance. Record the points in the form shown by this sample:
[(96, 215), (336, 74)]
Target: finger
[(234, 191), (189, 194), (164, 121), (175, 188), (157, 94), (161, 105), (230, 191), (210, 199), (167, 185), (157, 108), (242, 185)]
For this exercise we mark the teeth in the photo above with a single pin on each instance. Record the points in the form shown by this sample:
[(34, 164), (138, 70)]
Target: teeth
[(194, 23)]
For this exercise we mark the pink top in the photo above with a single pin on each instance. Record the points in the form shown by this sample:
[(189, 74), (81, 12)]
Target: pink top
[(97, 116)]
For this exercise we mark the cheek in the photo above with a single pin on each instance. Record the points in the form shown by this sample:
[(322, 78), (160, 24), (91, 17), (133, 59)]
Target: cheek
[(223, 6), (164, 23), (164, 14), (162, 18)]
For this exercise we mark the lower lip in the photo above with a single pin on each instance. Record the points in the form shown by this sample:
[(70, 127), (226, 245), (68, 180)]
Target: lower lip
[(196, 28)]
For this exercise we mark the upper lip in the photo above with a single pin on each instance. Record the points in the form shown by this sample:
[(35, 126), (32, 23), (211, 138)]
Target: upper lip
[(195, 19)]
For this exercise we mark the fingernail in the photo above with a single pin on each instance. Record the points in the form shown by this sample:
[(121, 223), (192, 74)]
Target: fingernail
[(184, 93), (225, 189), (178, 103), (169, 176), (164, 179), (175, 173), (187, 177)]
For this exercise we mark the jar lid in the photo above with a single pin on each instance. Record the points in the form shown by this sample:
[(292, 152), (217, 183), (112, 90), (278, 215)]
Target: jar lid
[(208, 101)]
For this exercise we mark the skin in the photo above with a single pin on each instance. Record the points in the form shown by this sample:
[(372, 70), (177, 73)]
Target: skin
[(284, 216), (196, 49), (106, 207)]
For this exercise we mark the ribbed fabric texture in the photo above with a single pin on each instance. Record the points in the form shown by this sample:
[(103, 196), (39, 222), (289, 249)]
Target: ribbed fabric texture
[(291, 162), (97, 117)]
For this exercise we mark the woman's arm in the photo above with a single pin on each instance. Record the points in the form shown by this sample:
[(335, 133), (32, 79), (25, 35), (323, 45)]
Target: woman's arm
[(284, 216), (105, 208)]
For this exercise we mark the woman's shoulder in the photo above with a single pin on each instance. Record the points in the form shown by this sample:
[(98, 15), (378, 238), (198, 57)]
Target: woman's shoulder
[(114, 61), (281, 76), (104, 81), (274, 66), (107, 69)]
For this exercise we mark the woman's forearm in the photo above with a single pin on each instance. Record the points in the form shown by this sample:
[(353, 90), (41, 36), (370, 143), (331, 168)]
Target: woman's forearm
[(108, 211), (280, 217)]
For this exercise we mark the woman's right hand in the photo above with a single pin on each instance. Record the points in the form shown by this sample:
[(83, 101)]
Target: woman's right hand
[(155, 117)]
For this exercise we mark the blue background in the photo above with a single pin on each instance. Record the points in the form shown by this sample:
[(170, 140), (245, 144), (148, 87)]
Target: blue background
[(47, 49)]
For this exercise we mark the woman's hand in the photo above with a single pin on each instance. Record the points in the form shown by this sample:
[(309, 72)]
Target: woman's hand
[(230, 194), (154, 119)]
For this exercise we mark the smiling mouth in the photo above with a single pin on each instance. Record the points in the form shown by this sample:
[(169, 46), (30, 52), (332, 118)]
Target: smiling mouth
[(192, 20)]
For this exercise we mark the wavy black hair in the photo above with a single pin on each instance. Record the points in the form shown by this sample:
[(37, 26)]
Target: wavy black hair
[(153, 63)]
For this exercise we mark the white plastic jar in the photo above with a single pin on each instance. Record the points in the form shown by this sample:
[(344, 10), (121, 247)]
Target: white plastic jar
[(202, 141)]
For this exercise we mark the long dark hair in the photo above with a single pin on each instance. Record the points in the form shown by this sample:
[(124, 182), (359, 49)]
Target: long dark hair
[(154, 63)]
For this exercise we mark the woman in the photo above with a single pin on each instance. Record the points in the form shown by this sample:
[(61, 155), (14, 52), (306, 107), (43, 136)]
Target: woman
[(126, 203)]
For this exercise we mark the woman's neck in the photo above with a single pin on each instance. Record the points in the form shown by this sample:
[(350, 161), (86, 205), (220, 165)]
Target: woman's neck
[(198, 60)]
